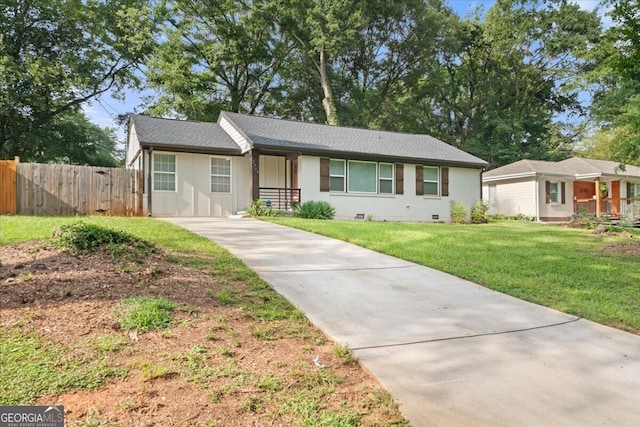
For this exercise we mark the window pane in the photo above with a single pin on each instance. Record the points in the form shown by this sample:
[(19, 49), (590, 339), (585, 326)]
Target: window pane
[(430, 174), (337, 183), (336, 167), (386, 186), (431, 188), (553, 192), (220, 175), (386, 170), (164, 182), (220, 184), (362, 177), (164, 162)]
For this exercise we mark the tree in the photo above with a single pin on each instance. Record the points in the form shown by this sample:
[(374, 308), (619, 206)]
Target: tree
[(92, 145), (56, 55), (502, 89), (616, 108), (216, 55), (353, 59)]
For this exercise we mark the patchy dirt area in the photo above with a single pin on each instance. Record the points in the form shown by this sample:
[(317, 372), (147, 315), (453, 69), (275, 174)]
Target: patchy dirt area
[(627, 248), (215, 366)]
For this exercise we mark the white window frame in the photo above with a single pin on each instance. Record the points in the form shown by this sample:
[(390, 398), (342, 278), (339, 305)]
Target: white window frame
[(635, 190), (343, 176), (430, 181), (218, 175), (376, 184), (391, 179), (165, 173), (558, 192)]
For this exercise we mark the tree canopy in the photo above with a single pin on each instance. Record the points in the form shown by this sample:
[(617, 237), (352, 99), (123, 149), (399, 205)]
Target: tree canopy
[(505, 84), (55, 55)]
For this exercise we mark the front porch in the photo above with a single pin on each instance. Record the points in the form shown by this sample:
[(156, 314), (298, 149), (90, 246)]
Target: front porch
[(274, 179), (602, 198)]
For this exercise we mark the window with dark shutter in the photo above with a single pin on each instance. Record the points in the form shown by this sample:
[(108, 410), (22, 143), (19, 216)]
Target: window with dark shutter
[(399, 178), (547, 192), (325, 183), (444, 174), (419, 181), (563, 200)]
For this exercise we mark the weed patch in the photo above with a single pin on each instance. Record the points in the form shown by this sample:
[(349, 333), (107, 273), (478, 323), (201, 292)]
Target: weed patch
[(29, 368), (145, 313)]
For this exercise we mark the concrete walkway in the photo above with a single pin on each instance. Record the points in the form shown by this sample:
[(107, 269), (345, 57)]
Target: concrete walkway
[(451, 352)]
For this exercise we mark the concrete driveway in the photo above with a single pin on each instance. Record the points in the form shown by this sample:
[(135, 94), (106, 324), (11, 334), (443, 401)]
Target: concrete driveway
[(451, 352)]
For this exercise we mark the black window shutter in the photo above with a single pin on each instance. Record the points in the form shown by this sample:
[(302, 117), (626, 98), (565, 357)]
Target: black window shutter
[(419, 181), (562, 191), (445, 181), (547, 192), (399, 178), (325, 183)]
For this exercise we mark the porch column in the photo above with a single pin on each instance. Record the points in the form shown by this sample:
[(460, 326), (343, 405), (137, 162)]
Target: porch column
[(598, 198), (255, 174)]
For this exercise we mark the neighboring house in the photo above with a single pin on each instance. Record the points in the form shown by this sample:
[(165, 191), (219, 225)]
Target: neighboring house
[(553, 191), (217, 169)]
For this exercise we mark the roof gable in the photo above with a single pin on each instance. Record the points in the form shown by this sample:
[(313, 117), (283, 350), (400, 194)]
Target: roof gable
[(182, 135)]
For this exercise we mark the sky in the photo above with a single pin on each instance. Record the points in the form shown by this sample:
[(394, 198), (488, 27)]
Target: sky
[(104, 110)]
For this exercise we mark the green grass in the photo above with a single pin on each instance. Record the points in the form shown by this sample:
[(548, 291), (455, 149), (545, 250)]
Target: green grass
[(563, 268), (145, 313), (30, 367)]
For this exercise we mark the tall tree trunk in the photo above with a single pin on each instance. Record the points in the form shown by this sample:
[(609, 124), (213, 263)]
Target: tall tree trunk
[(327, 102)]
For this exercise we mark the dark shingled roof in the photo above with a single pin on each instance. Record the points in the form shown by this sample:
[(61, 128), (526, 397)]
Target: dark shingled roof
[(183, 135), (311, 138), (278, 135), (573, 167)]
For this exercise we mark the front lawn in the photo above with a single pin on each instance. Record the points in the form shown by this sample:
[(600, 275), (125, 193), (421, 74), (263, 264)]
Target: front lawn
[(596, 277), (135, 321)]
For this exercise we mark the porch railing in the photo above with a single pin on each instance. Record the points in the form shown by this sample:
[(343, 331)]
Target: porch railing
[(625, 207), (280, 198)]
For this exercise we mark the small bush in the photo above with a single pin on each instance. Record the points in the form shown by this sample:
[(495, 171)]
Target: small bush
[(315, 210), (458, 212), (259, 208), (479, 212)]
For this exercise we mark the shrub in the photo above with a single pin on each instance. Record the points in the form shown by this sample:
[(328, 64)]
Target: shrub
[(479, 212), (79, 237), (259, 208), (458, 212), (315, 210)]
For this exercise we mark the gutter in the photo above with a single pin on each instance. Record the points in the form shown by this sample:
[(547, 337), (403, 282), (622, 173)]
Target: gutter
[(149, 183)]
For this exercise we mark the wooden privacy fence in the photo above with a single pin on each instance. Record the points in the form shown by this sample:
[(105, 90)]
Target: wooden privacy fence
[(8, 186), (53, 189)]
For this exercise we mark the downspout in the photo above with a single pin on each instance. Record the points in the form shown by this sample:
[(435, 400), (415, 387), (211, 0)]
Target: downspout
[(537, 198), (149, 183)]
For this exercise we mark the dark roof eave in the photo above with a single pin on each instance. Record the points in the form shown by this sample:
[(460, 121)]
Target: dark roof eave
[(191, 149), (350, 155)]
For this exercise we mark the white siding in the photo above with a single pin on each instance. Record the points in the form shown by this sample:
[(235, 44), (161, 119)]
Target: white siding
[(193, 196), (555, 210), (515, 197), (235, 135), (272, 171), (133, 147), (464, 186)]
